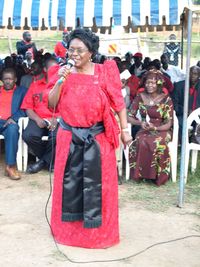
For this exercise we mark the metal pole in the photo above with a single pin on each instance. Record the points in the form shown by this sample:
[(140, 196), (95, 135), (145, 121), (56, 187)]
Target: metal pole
[(185, 112), (182, 44)]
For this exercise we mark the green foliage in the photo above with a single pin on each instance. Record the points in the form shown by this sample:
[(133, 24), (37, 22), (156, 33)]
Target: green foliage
[(196, 2)]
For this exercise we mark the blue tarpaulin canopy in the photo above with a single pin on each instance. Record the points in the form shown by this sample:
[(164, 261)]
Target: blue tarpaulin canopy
[(51, 13)]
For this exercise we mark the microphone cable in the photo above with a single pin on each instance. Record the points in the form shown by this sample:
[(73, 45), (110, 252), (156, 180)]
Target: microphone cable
[(133, 255)]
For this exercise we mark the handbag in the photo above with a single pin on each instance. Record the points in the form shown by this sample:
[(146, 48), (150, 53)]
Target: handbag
[(195, 137)]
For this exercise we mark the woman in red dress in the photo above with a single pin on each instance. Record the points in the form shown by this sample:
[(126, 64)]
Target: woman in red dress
[(85, 194)]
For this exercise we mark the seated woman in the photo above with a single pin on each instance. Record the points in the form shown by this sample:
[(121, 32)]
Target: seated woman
[(152, 110)]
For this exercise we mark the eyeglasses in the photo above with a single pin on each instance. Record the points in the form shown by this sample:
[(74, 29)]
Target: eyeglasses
[(79, 51)]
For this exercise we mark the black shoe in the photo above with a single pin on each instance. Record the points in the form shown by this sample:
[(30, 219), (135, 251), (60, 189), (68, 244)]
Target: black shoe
[(36, 167)]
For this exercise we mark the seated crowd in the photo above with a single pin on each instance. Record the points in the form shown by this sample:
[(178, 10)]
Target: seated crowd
[(153, 90)]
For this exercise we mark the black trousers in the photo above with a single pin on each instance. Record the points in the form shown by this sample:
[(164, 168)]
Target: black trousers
[(42, 149)]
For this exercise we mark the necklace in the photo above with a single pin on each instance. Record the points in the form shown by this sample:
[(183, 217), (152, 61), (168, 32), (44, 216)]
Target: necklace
[(153, 101)]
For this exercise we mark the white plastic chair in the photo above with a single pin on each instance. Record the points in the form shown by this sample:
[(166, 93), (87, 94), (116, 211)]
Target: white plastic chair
[(173, 151), (119, 157), (126, 155), (193, 147), (173, 148), (23, 155), (23, 122)]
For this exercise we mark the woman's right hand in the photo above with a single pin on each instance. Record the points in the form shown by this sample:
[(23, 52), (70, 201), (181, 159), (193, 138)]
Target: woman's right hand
[(145, 125), (126, 138), (148, 126), (64, 71)]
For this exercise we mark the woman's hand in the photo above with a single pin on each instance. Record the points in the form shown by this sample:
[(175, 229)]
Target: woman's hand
[(126, 138), (145, 125), (64, 71), (53, 124), (148, 126), (123, 82)]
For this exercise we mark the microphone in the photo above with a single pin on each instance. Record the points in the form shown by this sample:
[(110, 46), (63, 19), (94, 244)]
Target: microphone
[(69, 65)]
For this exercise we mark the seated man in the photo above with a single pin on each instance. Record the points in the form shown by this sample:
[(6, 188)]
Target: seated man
[(11, 97), (42, 122), (194, 95)]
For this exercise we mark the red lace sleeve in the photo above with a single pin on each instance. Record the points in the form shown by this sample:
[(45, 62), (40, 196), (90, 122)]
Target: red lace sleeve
[(113, 85)]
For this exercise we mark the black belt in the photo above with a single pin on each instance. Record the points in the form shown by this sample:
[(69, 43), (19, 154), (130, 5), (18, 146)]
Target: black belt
[(82, 197)]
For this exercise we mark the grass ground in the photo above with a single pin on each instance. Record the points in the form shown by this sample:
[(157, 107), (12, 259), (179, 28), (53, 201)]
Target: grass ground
[(159, 199)]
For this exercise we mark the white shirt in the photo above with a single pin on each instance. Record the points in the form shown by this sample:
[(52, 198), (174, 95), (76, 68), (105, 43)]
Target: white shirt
[(175, 73)]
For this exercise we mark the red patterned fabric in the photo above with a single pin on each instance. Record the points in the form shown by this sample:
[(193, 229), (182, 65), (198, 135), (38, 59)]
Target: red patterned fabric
[(85, 100)]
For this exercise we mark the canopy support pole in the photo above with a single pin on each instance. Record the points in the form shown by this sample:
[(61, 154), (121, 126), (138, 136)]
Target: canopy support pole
[(182, 36), (185, 112)]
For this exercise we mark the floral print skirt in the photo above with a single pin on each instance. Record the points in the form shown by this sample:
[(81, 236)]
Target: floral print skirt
[(149, 156)]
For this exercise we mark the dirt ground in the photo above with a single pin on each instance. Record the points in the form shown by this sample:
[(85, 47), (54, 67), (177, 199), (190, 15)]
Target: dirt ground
[(25, 238)]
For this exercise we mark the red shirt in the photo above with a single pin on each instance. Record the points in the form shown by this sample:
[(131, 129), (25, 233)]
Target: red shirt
[(60, 50), (168, 84), (53, 72), (133, 84), (5, 103), (34, 99), (193, 92)]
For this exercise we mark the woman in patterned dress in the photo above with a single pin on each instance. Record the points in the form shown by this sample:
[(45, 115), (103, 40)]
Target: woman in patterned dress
[(152, 110)]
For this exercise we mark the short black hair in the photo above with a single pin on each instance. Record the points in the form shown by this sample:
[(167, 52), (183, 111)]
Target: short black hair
[(49, 59), (156, 63), (195, 67), (25, 33), (9, 70), (90, 39)]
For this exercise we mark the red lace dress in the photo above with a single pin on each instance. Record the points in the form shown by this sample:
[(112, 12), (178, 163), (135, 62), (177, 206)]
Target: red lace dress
[(86, 100)]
